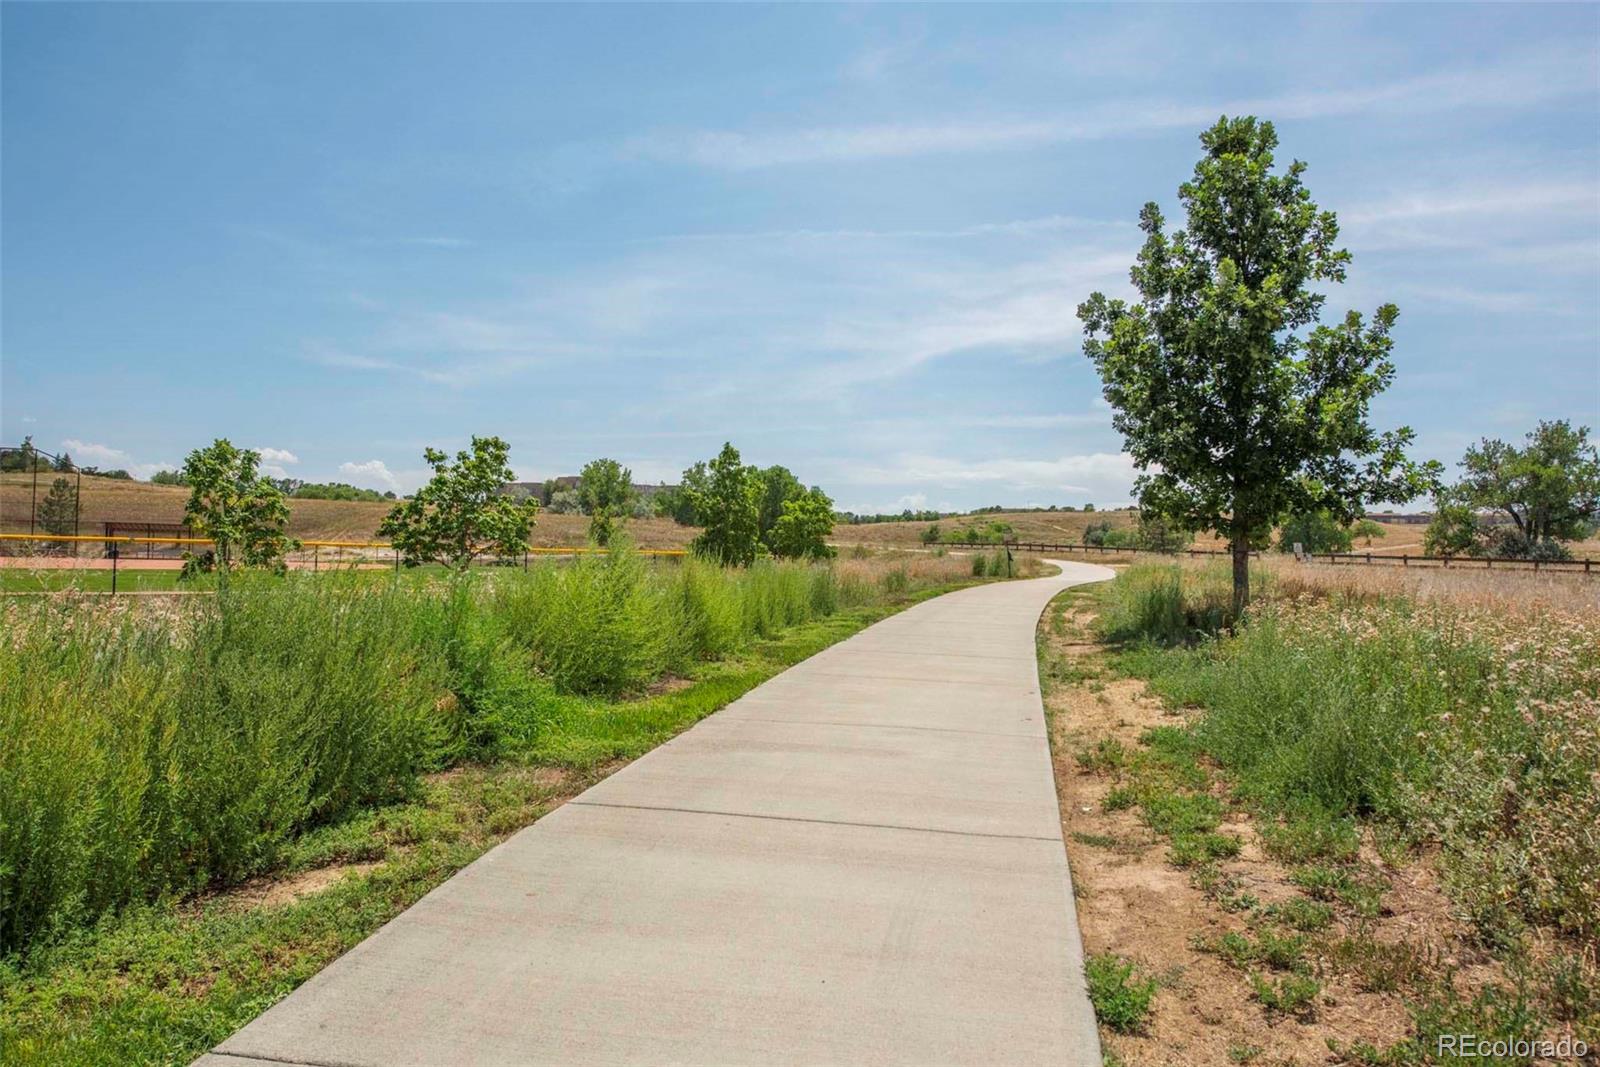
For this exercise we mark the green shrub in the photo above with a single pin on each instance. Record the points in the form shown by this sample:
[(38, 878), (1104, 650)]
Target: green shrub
[(897, 581), (596, 626), (1166, 604), (142, 754), (139, 757), (1289, 994), (1120, 997)]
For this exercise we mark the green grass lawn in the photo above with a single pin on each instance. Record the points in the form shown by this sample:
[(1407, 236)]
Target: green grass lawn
[(56, 580), (160, 983)]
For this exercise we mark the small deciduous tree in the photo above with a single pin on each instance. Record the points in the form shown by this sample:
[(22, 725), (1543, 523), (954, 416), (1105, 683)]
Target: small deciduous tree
[(801, 531), (1235, 403), (1550, 487), (726, 503), (777, 486), (1453, 530), (239, 509), (677, 503), (462, 512), (566, 502), (1314, 531), (605, 488), (1159, 534), (1368, 529)]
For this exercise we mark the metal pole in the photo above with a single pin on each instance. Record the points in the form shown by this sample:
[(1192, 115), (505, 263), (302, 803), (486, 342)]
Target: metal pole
[(113, 553)]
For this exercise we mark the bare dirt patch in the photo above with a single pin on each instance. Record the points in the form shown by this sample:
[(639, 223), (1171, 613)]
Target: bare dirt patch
[(275, 892)]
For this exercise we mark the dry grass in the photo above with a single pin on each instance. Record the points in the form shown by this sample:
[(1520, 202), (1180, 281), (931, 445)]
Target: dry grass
[(1489, 589), (110, 499), (1050, 526)]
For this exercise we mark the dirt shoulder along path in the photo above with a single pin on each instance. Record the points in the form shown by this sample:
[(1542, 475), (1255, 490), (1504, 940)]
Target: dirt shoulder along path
[(1238, 955)]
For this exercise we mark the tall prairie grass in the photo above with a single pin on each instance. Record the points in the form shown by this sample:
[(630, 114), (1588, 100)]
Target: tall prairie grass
[(1470, 723), (154, 750), (141, 754)]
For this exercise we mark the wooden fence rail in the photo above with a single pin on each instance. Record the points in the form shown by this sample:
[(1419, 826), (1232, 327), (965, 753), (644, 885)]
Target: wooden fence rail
[(1552, 566)]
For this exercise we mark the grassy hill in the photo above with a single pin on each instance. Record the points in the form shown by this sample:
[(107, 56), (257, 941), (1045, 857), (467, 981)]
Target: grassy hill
[(349, 520), (110, 499), (1056, 526)]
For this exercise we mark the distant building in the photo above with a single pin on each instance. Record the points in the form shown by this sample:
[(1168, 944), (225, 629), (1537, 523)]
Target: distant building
[(1419, 519)]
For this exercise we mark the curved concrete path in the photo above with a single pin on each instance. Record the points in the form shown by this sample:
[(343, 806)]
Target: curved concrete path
[(858, 862)]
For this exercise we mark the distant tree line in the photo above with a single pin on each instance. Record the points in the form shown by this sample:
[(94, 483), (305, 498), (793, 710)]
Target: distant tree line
[(852, 518), (297, 488), (26, 458)]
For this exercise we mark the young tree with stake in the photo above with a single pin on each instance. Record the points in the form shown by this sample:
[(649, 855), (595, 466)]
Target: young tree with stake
[(1235, 402)]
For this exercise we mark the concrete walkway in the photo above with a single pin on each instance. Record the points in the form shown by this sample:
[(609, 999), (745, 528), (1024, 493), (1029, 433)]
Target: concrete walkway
[(858, 862)]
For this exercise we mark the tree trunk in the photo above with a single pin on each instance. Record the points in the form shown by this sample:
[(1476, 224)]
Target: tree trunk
[(1241, 573)]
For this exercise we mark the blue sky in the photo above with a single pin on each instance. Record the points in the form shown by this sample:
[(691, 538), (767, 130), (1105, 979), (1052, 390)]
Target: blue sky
[(850, 239)]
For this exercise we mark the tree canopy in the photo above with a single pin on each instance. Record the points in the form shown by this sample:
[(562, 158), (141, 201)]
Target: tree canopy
[(1235, 403), (461, 513), (605, 490), (777, 486), (801, 531), (1550, 487), (238, 508), (727, 505)]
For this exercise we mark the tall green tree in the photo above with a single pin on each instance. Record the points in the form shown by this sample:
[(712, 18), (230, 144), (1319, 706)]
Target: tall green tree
[(240, 509), (801, 531), (678, 502), (778, 486), (727, 505), (606, 489), (462, 512), (1232, 399), (1550, 487)]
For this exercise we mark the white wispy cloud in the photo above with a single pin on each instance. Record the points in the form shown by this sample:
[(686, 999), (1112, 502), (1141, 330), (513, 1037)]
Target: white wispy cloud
[(95, 454), (1018, 228), (1052, 421), (370, 472), (1506, 221), (1518, 79), (1108, 474)]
